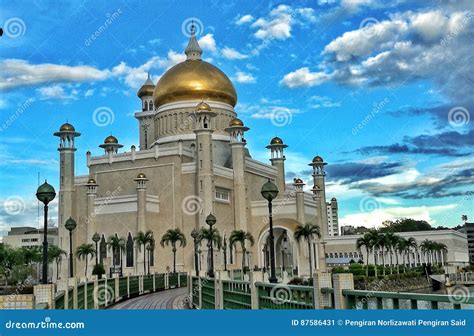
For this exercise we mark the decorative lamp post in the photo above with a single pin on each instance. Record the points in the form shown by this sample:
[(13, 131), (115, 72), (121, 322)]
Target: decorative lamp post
[(45, 194), (122, 251), (211, 220), (269, 192), (96, 239), (195, 235), (70, 226), (149, 248), (224, 246)]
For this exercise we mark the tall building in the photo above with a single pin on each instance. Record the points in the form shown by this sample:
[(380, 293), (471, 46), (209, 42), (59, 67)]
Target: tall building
[(27, 236), (333, 218), (192, 161), (468, 229)]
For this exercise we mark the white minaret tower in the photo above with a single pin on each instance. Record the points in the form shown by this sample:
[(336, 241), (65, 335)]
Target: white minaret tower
[(237, 142), (145, 117), (299, 184), (66, 209), (277, 159), (204, 162), (141, 212), (91, 196)]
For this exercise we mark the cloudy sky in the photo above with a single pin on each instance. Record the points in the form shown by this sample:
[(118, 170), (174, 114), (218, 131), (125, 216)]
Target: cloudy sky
[(382, 90)]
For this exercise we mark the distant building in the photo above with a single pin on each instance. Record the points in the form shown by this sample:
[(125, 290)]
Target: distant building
[(468, 229), (333, 219), (27, 236), (348, 230)]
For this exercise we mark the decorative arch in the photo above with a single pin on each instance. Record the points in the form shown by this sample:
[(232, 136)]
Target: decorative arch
[(102, 249), (129, 251)]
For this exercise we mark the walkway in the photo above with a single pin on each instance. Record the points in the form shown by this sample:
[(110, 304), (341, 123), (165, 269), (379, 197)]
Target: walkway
[(168, 299)]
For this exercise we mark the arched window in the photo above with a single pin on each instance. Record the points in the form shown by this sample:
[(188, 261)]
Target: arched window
[(151, 105), (145, 106), (129, 249), (103, 249), (331, 255)]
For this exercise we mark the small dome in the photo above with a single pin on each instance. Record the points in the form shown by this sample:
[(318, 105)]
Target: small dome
[(333, 199), (318, 159), (67, 127), (298, 181), (236, 122), (147, 88), (202, 106), (276, 141), (141, 176), (111, 140), (91, 181)]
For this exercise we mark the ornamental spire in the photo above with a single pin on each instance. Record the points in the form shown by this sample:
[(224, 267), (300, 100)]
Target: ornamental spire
[(193, 51)]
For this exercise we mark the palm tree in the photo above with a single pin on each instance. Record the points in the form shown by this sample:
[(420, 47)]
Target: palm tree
[(365, 241), (402, 246), (391, 241), (55, 253), (307, 232), (374, 238), (240, 236), (173, 236), (143, 239), (426, 248), (411, 242), (116, 244), (210, 235), (83, 252), (443, 249), (31, 255)]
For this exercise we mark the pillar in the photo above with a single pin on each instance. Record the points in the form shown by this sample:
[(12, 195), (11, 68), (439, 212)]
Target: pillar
[(277, 159), (90, 222), (342, 281)]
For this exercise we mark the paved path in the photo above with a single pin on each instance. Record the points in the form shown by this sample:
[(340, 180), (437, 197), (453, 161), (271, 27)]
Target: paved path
[(168, 299)]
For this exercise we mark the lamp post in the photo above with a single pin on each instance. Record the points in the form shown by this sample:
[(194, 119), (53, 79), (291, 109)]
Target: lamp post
[(269, 192), (149, 248), (211, 220), (70, 226), (195, 235), (225, 252), (95, 239), (122, 250), (45, 194), (265, 251)]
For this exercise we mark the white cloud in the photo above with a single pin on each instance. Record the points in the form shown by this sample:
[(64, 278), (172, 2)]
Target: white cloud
[(207, 42), (245, 19), (230, 53), (89, 93), (244, 77), (18, 73), (271, 112), (303, 77), (57, 92)]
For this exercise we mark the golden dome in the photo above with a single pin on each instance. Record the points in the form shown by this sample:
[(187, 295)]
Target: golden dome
[(141, 176), (147, 88), (236, 122), (194, 79), (318, 159), (202, 106), (276, 141), (91, 181), (67, 127), (111, 140)]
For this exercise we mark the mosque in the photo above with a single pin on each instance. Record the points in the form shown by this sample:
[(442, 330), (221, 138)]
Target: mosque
[(192, 161)]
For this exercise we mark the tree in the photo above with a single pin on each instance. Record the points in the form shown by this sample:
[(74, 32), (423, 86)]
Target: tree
[(365, 241), (307, 232), (84, 251), (240, 236), (412, 244), (173, 236), (426, 248), (31, 255), (117, 244), (402, 247), (210, 235), (374, 238), (55, 254), (391, 241), (143, 239)]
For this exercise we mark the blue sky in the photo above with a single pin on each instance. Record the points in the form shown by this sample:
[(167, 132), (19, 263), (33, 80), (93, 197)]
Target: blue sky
[(381, 90)]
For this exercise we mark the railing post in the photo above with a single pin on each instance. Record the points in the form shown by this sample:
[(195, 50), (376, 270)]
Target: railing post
[(117, 289), (167, 281), (253, 292), (321, 280), (191, 290), (85, 295), (342, 281), (128, 286), (200, 292), (218, 295), (96, 290), (154, 285), (105, 291), (179, 279)]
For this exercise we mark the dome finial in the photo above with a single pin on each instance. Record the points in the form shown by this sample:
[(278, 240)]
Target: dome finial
[(193, 51)]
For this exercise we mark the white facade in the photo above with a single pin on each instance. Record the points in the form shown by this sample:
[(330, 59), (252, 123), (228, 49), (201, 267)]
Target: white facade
[(29, 237)]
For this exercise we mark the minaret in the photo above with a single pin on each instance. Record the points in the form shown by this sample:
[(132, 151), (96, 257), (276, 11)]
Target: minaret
[(204, 162), (277, 159), (145, 117), (91, 196), (319, 192), (111, 147), (66, 149), (299, 184), (237, 142), (141, 212)]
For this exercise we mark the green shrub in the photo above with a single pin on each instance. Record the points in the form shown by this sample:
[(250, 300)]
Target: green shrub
[(98, 270)]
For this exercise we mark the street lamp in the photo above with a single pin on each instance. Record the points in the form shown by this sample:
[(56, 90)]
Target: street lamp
[(269, 192), (70, 226), (195, 235), (211, 220), (225, 252), (95, 239), (45, 194)]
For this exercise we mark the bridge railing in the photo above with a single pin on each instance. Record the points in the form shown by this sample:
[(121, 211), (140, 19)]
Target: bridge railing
[(108, 291)]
